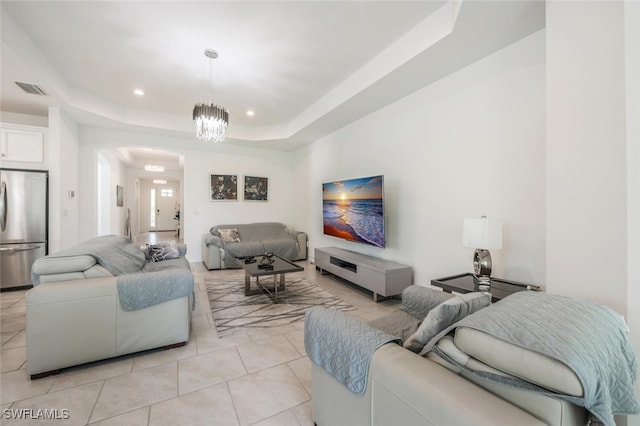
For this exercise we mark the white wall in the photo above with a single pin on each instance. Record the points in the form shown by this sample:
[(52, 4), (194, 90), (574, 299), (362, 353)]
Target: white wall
[(468, 145), (632, 40), (198, 213), (111, 174), (64, 210), (586, 152)]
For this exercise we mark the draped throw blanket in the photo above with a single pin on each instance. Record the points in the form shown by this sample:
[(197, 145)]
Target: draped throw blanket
[(588, 338), (342, 345), (138, 291), (115, 253)]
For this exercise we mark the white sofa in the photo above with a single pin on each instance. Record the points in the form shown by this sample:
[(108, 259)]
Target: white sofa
[(75, 315), (405, 388)]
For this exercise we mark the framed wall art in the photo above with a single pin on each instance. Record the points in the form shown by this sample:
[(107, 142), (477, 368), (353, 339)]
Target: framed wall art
[(223, 187), (119, 196), (256, 188)]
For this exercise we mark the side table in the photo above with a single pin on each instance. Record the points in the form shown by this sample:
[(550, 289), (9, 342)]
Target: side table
[(466, 283)]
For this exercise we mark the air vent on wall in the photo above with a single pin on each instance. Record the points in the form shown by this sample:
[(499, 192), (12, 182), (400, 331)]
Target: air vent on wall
[(33, 89)]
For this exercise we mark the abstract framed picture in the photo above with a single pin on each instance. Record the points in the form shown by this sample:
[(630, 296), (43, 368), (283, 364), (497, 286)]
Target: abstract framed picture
[(223, 187), (256, 188)]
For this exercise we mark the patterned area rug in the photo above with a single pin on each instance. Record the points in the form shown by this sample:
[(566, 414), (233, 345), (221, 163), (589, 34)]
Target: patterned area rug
[(231, 309)]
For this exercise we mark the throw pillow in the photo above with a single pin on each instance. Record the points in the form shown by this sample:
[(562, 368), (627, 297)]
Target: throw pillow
[(229, 235), (445, 314), (163, 251), (419, 301)]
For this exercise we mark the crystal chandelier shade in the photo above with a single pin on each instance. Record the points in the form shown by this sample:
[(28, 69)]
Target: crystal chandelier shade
[(211, 120)]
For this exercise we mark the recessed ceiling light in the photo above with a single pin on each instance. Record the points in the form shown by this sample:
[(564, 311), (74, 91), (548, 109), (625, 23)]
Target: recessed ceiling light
[(138, 92), (251, 113), (160, 181)]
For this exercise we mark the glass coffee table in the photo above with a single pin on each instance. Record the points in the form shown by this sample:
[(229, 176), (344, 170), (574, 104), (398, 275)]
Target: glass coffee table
[(278, 267)]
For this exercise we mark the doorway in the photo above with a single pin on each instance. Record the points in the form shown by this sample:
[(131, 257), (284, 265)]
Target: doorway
[(159, 206), (163, 207)]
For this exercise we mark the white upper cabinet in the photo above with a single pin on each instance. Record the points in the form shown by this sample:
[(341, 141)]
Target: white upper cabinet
[(23, 144)]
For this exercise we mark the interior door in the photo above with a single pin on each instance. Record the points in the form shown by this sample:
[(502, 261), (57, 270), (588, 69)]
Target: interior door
[(165, 207)]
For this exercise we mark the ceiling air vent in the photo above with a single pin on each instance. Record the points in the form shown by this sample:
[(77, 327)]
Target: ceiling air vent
[(33, 89)]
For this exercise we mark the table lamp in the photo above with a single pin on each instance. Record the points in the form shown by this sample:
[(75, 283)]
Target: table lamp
[(482, 234)]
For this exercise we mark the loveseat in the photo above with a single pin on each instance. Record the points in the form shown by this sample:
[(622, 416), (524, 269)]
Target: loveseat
[(464, 375), (104, 298), (224, 244)]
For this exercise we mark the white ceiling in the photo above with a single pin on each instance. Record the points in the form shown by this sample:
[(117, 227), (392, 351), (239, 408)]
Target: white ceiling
[(305, 67)]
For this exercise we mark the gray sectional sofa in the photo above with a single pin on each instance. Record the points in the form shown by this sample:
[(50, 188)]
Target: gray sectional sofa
[(105, 298), (224, 244)]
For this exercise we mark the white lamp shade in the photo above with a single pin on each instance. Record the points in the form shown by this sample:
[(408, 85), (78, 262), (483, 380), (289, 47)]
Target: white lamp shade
[(482, 233)]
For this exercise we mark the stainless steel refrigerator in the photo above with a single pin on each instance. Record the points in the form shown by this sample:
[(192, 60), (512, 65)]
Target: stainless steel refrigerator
[(24, 197)]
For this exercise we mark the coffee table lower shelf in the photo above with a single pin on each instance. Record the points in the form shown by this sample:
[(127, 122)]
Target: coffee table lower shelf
[(278, 285)]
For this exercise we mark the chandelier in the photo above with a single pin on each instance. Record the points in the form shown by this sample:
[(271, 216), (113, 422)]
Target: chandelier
[(211, 120)]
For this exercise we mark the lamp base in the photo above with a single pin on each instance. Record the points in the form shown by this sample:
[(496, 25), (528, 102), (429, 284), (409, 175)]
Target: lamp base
[(482, 263)]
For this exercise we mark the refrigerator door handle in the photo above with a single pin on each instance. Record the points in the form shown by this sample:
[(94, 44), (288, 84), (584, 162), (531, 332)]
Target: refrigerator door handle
[(16, 250), (3, 206)]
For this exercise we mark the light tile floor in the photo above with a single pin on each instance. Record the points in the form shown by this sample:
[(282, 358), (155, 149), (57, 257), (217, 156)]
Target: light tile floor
[(248, 378)]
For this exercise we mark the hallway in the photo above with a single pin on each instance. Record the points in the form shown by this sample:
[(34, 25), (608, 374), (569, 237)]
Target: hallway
[(155, 237)]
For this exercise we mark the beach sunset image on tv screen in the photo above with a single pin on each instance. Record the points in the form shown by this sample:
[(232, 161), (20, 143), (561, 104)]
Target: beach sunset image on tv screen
[(354, 210)]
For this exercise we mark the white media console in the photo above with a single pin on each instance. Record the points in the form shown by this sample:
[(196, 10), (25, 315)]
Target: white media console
[(382, 277)]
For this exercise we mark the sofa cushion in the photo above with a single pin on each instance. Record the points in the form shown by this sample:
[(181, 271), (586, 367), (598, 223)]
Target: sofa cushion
[(516, 361), (229, 235), (283, 247), (262, 231), (245, 248), (397, 323), (97, 271), (165, 265), (445, 314), (66, 276)]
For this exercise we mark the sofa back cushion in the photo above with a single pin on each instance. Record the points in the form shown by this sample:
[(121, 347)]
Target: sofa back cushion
[(514, 360), (255, 231)]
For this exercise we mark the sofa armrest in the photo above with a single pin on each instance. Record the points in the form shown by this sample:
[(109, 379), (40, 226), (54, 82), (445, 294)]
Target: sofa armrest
[(409, 389), (303, 245), (211, 253), (70, 323), (342, 345), (212, 240), (62, 265)]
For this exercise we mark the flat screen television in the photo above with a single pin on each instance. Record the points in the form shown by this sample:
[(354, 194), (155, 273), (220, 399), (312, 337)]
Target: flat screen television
[(353, 209)]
